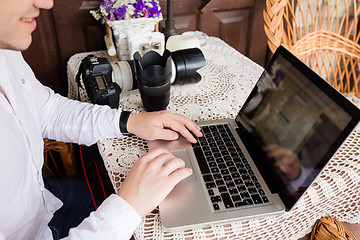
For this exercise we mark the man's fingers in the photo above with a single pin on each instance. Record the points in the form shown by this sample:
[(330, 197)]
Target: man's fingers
[(280, 152), (270, 147), (186, 134), (172, 165), (178, 175), (183, 125), (184, 130), (189, 125), (164, 134), (162, 125), (172, 133), (154, 153)]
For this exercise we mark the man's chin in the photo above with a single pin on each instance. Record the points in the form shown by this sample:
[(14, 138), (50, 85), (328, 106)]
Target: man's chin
[(15, 46)]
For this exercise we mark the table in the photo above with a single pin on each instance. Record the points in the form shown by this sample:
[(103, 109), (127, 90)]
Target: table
[(228, 78)]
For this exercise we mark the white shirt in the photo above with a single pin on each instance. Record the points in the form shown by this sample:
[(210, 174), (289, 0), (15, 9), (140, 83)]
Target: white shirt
[(29, 113)]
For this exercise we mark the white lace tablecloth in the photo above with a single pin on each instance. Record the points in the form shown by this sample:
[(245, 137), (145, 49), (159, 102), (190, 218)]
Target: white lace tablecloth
[(228, 78)]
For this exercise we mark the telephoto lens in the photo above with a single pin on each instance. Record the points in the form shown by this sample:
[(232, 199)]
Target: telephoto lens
[(153, 73), (187, 62)]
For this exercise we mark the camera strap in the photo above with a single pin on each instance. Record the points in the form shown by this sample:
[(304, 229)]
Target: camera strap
[(79, 77)]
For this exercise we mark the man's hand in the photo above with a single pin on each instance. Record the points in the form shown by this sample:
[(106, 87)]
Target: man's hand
[(287, 161), (151, 179), (162, 125)]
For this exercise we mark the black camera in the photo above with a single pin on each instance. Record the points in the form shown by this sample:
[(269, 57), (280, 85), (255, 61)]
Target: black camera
[(152, 74), (96, 75)]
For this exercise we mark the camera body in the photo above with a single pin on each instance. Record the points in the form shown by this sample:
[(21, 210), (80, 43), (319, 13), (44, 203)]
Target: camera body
[(152, 73), (97, 78)]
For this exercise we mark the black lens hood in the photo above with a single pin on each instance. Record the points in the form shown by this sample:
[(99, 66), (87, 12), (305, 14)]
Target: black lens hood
[(153, 70), (187, 62)]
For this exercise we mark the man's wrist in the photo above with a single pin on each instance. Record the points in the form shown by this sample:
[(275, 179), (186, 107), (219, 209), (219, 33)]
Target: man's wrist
[(124, 117)]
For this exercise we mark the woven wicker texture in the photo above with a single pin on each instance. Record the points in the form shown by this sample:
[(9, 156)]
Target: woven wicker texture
[(323, 33), (330, 228), (66, 153)]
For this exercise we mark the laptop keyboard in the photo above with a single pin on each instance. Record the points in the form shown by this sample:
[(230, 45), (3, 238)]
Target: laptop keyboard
[(228, 176)]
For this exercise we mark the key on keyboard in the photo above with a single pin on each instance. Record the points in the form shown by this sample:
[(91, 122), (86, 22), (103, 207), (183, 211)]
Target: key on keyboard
[(229, 179)]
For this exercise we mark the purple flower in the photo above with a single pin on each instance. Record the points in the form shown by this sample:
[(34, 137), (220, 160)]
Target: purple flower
[(102, 20), (141, 10), (155, 11), (121, 12), (139, 6), (112, 17), (146, 12)]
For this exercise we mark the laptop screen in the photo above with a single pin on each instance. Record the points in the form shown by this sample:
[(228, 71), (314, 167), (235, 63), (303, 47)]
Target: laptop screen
[(297, 121)]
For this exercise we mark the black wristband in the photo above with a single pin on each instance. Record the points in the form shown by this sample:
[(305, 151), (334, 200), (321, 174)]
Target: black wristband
[(124, 117)]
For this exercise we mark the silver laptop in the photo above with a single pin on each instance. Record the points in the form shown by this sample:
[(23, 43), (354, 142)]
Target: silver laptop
[(260, 163)]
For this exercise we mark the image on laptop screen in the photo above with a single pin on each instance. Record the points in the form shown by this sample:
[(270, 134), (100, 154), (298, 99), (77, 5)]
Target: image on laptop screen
[(295, 124)]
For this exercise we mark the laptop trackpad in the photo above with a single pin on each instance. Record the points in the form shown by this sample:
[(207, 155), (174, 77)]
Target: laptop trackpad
[(184, 155), (179, 148)]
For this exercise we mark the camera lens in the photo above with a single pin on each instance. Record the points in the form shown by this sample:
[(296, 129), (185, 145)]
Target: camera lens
[(187, 62), (123, 75), (153, 73)]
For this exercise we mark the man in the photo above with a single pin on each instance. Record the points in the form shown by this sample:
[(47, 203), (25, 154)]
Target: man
[(31, 112)]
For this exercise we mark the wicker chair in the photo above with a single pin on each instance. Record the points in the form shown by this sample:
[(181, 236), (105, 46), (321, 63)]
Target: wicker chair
[(324, 34), (66, 154)]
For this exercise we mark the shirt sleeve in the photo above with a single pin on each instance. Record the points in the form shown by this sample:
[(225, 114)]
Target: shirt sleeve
[(69, 120), (114, 219)]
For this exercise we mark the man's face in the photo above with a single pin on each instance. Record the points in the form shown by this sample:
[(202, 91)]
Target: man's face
[(17, 22)]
